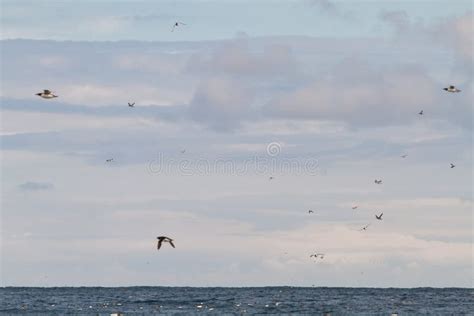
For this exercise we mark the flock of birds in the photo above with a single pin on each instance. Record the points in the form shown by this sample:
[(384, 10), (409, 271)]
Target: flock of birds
[(451, 89), (48, 94)]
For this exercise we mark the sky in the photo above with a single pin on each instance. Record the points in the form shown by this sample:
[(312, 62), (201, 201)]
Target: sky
[(320, 96)]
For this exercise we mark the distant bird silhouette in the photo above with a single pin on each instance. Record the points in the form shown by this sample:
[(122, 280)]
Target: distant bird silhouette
[(271, 178), (162, 239), (183, 151), (365, 227), (46, 94), (109, 160), (176, 24), (452, 165), (355, 207), (421, 112), (379, 217), (378, 181), (131, 104), (403, 156), (310, 211), (317, 255), (452, 89)]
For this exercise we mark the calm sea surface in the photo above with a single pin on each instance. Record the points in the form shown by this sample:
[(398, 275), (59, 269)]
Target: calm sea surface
[(235, 301)]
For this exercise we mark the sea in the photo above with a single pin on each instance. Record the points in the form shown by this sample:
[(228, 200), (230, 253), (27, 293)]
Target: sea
[(235, 301)]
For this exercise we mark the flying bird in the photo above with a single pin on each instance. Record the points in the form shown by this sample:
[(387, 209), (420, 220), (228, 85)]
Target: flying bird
[(355, 207), (131, 104), (452, 165), (378, 181), (403, 156), (47, 94), (176, 24), (271, 178), (310, 211), (109, 160), (421, 112), (183, 151), (452, 89), (365, 227), (162, 239), (317, 255), (379, 217)]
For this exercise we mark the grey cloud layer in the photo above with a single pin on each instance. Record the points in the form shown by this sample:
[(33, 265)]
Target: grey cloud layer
[(223, 84)]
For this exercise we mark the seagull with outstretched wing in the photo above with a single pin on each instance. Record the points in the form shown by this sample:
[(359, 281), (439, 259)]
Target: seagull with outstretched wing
[(47, 94), (162, 239), (452, 89), (176, 24)]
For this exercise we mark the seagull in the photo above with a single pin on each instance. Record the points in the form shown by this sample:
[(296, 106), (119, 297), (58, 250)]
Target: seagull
[(316, 255), (379, 217), (365, 227), (109, 160), (378, 181), (176, 24), (452, 89), (355, 207), (452, 165), (131, 104), (310, 211), (162, 239), (271, 178), (183, 151), (421, 112), (47, 94), (404, 156)]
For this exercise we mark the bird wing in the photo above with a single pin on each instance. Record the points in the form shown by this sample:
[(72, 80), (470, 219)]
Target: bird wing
[(451, 87), (47, 91), (171, 243), (159, 244)]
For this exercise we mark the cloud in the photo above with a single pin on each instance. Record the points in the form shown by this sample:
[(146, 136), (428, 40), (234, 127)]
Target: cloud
[(36, 186), (450, 33), (329, 7), (104, 24), (222, 103), (360, 95), (461, 31), (237, 58)]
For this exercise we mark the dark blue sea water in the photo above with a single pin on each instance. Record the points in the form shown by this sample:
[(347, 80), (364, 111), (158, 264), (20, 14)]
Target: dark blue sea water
[(235, 301)]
